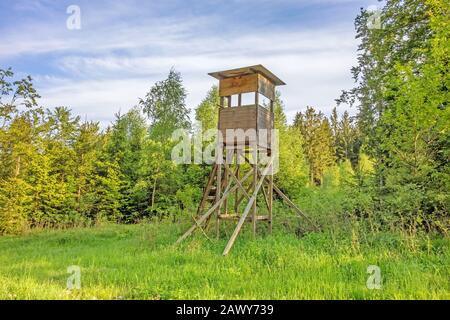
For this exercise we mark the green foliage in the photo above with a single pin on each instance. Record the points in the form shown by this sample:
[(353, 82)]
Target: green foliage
[(293, 168), (165, 106), (404, 37), (208, 110), (107, 186), (14, 205), (292, 173), (346, 138), (317, 142), (54, 173), (50, 200), (278, 111), (402, 95), (126, 146)]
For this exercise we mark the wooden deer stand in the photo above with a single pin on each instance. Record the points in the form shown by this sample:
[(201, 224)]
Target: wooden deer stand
[(229, 184)]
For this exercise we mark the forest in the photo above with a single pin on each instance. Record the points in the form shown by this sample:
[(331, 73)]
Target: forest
[(387, 168)]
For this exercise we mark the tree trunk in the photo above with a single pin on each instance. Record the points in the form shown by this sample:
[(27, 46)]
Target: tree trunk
[(153, 194), (17, 170)]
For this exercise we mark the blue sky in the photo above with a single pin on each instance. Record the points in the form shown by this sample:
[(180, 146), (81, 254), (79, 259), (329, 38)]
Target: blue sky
[(123, 47)]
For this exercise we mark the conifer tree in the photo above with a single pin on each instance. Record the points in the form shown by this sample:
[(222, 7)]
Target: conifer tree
[(317, 142)]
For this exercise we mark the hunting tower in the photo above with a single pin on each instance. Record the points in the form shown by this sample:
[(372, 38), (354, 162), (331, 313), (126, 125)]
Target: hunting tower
[(255, 81), (239, 178)]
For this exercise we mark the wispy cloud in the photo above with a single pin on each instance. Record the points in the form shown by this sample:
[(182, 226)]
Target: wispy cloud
[(125, 46)]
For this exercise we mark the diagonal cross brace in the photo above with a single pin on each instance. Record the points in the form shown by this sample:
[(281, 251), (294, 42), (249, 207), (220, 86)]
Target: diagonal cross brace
[(211, 210)]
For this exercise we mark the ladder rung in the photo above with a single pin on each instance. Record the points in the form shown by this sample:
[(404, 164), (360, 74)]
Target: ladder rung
[(236, 216), (229, 216)]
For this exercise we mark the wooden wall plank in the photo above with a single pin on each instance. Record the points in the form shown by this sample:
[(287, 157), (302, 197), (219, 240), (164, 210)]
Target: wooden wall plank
[(242, 84), (266, 87)]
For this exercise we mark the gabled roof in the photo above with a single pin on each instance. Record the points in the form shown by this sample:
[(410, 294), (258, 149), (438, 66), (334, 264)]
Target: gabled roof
[(248, 70)]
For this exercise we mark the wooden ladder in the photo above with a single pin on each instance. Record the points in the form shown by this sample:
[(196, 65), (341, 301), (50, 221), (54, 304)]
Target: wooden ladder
[(210, 191)]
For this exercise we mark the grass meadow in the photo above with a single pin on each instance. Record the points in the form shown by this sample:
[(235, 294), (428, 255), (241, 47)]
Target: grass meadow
[(141, 262)]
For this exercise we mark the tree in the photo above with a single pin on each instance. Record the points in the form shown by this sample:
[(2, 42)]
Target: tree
[(345, 137), (293, 174), (417, 123), (14, 205), (50, 198), (107, 187), (86, 146), (402, 97), (293, 168), (20, 126), (280, 120), (334, 125), (165, 106), (207, 112), (404, 36), (317, 142), (126, 143)]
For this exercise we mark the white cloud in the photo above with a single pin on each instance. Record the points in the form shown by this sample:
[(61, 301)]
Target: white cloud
[(314, 72), (106, 67)]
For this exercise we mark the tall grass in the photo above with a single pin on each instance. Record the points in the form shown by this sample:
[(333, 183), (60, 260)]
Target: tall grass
[(141, 262)]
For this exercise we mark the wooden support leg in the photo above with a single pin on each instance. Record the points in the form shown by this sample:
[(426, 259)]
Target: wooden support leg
[(288, 201), (225, 203), (229, 154), (218, 194), (255, 168), (270, 196), (292, 205), (266, 199), (238, 169), (241, 222), (255, 181)]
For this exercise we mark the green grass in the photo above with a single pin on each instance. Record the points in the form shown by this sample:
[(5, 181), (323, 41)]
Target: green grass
[(140, 262)]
